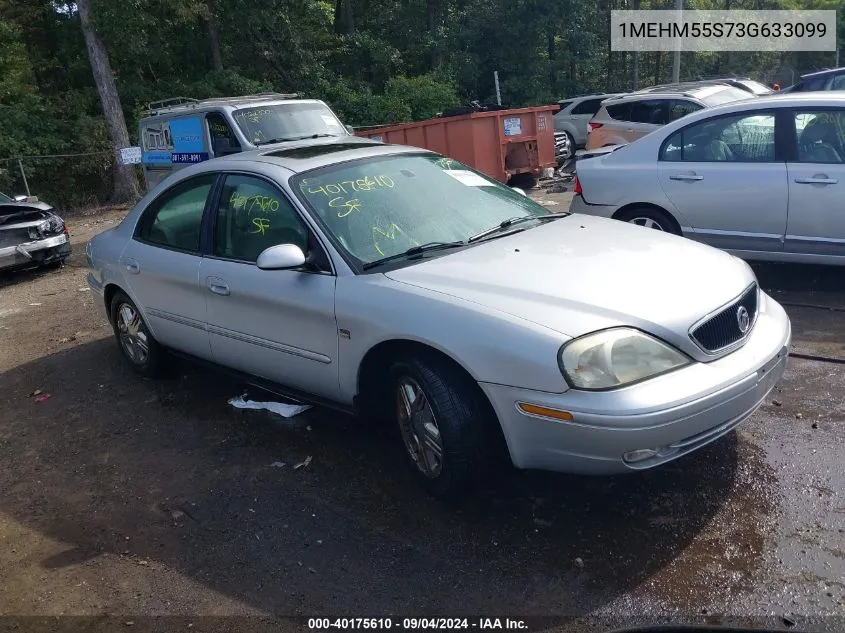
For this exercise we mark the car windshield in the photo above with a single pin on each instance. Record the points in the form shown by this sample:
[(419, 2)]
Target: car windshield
[(382, 206), (266, 123)]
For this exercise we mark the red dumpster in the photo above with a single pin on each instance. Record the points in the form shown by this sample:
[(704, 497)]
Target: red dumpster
[(499, 143)]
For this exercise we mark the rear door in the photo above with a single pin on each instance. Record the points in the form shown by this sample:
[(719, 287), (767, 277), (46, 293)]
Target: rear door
[(816, 169), (161, 266), (723, 176)]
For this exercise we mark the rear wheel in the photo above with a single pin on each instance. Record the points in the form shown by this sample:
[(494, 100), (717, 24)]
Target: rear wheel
[(651, 218), (445, 424), (136, 343)]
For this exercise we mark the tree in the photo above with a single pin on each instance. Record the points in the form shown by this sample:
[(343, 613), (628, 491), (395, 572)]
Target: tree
[(125, 185)]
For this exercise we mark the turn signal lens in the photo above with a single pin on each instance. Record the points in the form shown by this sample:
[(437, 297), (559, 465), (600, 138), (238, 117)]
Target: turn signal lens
[(546, 412)]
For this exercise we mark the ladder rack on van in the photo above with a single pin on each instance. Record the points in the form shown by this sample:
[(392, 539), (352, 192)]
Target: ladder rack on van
[(179, 103)]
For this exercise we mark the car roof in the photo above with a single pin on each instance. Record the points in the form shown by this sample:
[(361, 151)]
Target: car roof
[(821, 73), (222, 103), (312, 154), (692, 90), (777, 100), (594, 95)]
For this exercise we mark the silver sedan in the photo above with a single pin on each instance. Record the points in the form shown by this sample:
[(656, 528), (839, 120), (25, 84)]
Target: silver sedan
[(763, 179), (401, 285)]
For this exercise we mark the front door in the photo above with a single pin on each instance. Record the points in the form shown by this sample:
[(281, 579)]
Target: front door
[(722, 176), (276, 324), (161, 265), (817, 184)]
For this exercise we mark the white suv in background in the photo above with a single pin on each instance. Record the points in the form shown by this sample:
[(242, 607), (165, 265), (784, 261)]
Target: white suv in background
[(631, 116), (575, 114)]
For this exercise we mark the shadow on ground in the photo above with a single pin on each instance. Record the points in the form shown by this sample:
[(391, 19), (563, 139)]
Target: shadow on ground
[(195, 486)]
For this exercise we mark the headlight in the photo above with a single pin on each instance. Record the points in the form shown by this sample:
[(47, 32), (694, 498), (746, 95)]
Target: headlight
[(616, 357)]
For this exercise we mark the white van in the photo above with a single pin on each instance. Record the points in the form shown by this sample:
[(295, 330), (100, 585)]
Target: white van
[(179, 132)]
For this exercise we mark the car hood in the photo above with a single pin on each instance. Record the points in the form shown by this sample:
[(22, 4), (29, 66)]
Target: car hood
[(580, 273)]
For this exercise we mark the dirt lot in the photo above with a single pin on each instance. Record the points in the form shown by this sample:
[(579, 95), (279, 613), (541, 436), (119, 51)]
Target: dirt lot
[(128, 497)]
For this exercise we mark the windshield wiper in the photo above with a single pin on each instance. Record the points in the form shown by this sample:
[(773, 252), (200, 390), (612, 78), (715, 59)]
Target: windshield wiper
[(294, 138), (511, 222), (414, 250)]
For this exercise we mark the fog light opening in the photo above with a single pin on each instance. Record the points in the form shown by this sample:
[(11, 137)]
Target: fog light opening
[(639, 455)]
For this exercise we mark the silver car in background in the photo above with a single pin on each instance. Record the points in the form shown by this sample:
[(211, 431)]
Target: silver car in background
[(763, 179), (401, 285)]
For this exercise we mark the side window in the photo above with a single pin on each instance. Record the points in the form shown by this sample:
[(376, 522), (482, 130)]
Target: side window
[(254, 215), (589, 106), (740, 138), (563, 105), (838, 82), (680, 108), (653, 111), (620, 111), (816, 83), (223, 140), (821, 136), (174, 220)]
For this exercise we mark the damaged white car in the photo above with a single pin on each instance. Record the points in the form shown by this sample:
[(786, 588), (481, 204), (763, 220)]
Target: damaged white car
[(31, 235)]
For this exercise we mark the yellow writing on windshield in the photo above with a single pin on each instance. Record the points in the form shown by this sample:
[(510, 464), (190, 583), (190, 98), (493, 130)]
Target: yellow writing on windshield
[(257, 204), (444, 163), (261, 225), (367, 183), (346, 206), (389, 233)]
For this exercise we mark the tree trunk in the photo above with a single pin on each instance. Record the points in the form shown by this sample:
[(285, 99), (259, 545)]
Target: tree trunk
[(635, 74), (344, 21), (125, 186), (432, 11), (550, 45), (214, 35)]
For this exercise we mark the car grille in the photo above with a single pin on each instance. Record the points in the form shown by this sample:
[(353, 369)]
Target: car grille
[(723, 330)]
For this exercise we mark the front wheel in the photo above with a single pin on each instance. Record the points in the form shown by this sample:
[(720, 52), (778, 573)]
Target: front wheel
[(136, 343), (445, 423)]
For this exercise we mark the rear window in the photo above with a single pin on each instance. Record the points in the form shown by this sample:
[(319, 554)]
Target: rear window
[(620, 111), (563, 105), (724, 95), (590, 106)]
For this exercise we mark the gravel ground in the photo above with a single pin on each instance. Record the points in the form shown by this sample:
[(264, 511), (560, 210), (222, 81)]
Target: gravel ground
[(131, 498)]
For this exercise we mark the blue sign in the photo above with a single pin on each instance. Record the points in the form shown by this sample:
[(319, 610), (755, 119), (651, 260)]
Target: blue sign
[(178, 141), (157, 158), (195, 157), (187, 135)]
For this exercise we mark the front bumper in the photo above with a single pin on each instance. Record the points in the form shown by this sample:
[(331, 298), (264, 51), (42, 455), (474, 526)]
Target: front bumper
[(36, 252), (670, 415)]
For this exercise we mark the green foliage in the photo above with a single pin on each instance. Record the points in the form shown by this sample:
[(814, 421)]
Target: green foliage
[(373, 61)]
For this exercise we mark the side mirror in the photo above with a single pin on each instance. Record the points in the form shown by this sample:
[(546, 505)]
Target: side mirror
[(281, 257), (350, 129), (518, 190)]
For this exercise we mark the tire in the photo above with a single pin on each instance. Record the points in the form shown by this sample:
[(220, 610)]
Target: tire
[(523, 181), (438, 392), (133, 336), (652, 218)]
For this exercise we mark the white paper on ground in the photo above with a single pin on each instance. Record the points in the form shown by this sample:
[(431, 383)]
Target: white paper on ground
[(280, 408), (470, 179)]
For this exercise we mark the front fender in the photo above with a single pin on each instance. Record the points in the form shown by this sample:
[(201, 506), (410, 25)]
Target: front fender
[(491, 346)]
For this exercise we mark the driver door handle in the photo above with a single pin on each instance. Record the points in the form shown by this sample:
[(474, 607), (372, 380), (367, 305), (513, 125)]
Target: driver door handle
[(817, 181), (689, 177), (217, 286)]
